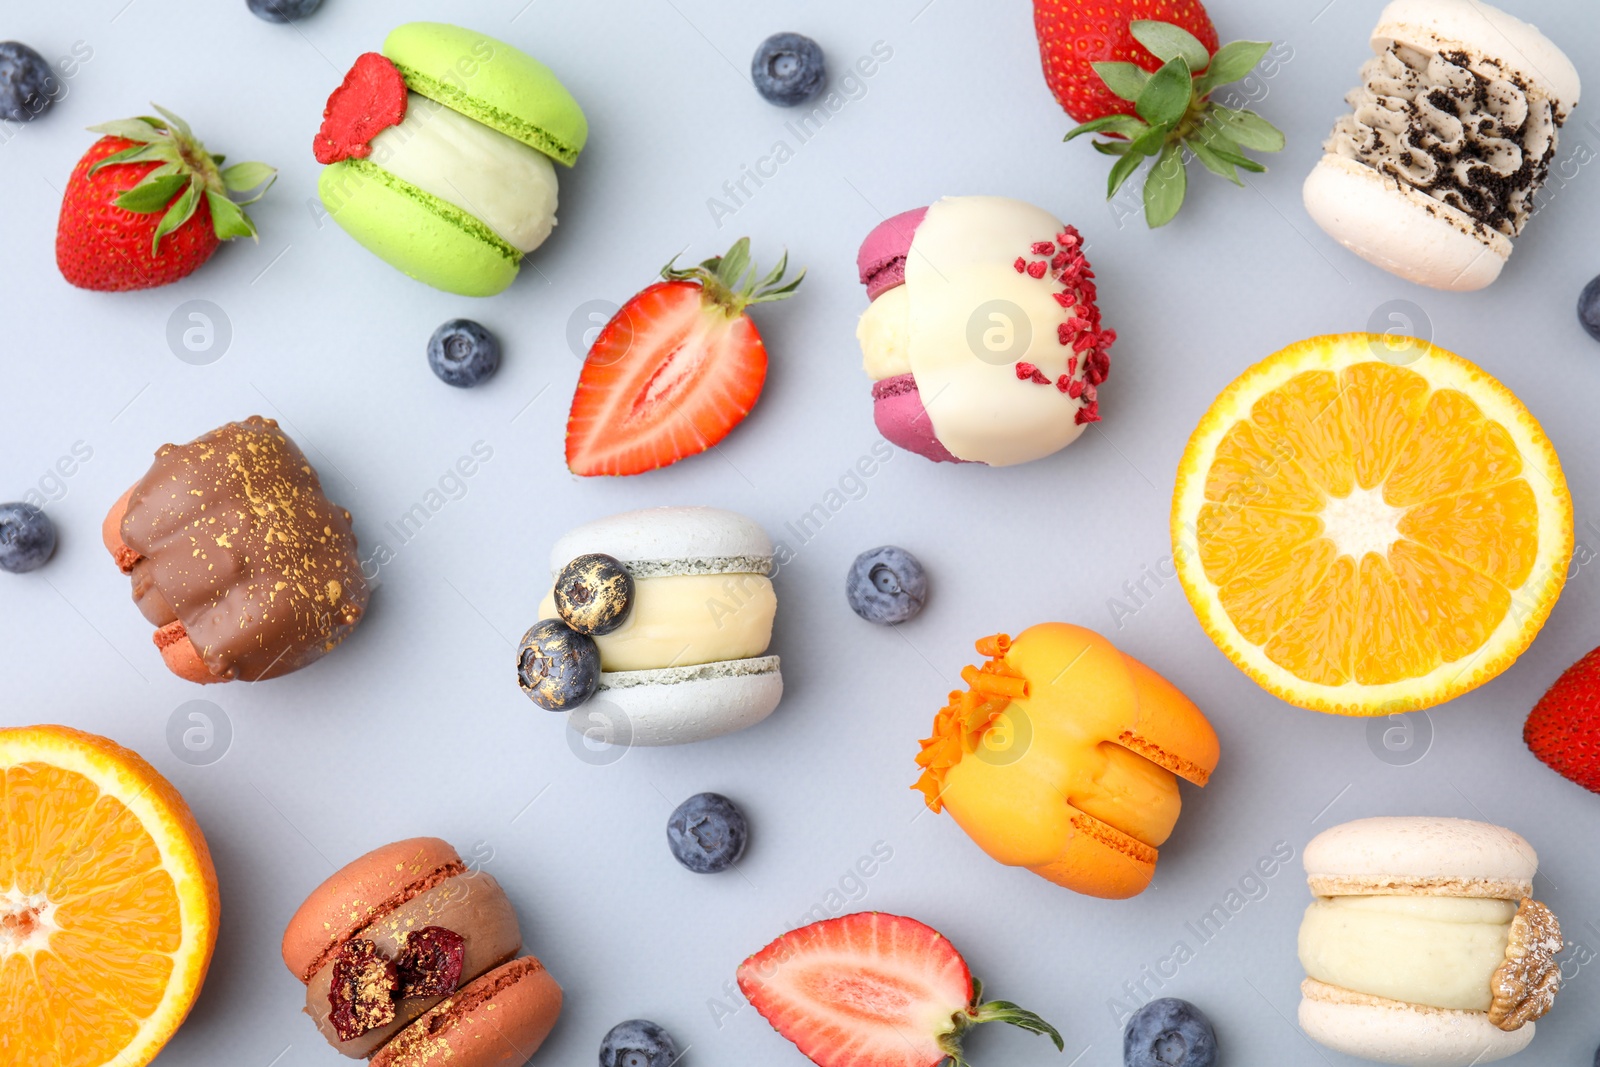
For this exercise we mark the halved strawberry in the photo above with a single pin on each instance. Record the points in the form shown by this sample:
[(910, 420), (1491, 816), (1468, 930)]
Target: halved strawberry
[(873, 990), (677, 368)]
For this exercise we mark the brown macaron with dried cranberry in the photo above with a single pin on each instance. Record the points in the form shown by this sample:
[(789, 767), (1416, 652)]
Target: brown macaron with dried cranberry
[(411, 958)]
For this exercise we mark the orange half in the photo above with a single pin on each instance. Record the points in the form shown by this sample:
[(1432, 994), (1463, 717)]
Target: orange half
[(1368, 529), (108, 903)]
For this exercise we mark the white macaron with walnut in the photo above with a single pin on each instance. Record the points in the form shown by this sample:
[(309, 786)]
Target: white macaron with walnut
[(1424, 945), (1437, 165), (689, 662)]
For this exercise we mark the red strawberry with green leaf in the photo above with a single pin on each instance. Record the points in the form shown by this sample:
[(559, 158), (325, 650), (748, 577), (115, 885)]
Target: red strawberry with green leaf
[(678, 367), (873, 990), (1074, 35), (132, 215), (1142, 72), (1563, 729)]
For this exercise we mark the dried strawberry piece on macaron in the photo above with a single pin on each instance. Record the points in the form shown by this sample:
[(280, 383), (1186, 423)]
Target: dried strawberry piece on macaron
[(371, 98)]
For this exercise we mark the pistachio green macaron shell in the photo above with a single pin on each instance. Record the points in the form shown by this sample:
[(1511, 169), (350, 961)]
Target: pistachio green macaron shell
[(492, 82), (433, 241)]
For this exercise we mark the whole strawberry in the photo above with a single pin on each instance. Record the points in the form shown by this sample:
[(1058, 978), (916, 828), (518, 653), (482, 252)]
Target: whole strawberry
[(1076, 34), (1563, 729), (1120, 70), (147, 205)]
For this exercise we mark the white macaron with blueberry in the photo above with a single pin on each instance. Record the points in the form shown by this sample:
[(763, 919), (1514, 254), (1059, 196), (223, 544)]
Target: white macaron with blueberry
[(677, 604)]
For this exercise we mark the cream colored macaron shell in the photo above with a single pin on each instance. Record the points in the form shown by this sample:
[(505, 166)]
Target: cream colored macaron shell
[(1424, 945)]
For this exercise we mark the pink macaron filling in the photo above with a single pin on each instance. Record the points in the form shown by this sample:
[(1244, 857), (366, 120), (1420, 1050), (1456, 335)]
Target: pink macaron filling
[(898, 412), (882, 258)]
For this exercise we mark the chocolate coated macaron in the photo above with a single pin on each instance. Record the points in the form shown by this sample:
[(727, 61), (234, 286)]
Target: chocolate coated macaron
[(411, 958), (239, 560)]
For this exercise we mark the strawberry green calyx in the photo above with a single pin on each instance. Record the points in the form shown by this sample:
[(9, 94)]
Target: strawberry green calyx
[(1174, 115), (995, 1011), (730, 280), (188, 172)]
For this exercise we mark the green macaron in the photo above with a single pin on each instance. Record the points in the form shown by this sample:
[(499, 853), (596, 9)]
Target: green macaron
[(489, 81)]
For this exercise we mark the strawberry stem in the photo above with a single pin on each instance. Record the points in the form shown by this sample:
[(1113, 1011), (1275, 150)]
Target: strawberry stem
[(185, 166), (994, 1011), (730, 281)]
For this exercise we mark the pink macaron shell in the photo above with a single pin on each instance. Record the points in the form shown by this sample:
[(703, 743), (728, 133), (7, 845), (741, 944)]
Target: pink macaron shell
[(882, 258), (898, 412)]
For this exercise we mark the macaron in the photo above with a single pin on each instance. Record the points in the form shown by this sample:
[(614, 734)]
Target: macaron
[(440, 155), (1424, 945), (239, 560), (1438, 164), (983, 339), (1056, 713), (689, 662), (413, 959)]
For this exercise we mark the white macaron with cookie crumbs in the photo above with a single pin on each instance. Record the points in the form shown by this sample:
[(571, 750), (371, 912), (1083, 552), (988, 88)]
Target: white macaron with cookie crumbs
[(1449, 137), (1425, 946), (690, 661)]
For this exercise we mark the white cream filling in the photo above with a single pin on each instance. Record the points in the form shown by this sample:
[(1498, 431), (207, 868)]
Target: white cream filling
[(682, 620), (885, 335), (1437, 951), (507, 184)]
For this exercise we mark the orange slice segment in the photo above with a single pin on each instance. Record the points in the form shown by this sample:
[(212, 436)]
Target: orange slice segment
[(1366, 538), (108, 902)]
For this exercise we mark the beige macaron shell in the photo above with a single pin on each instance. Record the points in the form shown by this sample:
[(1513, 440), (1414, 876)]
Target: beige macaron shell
[(498, 1021), (1420, 855), (1389, 1031), (1406, 232), (1489, 36), (357, 893), (472, 905)]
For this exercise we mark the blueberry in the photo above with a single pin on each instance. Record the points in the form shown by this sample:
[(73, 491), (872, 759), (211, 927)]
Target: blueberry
[(594, 594), (638, 1043), (283, 10), (1589, 308), (27, 84), (788, 69), (707, 833), (886, 585), (463, 354), (557, 667), (27, 538), (1169, 1033)]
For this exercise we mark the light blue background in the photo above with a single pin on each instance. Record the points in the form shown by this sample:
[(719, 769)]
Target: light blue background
[(417, 727)]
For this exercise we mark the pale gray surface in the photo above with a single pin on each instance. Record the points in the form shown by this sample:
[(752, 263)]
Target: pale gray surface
[(416, 726)]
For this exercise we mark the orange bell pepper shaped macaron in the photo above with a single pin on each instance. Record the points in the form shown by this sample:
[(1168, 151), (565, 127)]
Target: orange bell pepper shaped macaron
[(1063, 757)]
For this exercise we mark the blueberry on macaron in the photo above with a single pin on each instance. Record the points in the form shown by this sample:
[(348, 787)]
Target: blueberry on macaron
[(638, 1043), (788, 69), (557, 667), (707, 833), (1169, 1033), (463, 354), (886, 585), (27, 538)]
